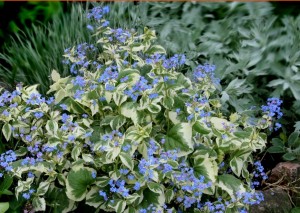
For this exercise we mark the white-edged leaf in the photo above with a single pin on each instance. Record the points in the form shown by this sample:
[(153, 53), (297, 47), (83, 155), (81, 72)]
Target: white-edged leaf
[(6, 130), (39, 204), (179, 137), (55, 75), (127, 160)]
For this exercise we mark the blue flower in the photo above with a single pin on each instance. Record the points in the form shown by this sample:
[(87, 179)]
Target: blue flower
[(26, 196), (79, 80), (153, 95), (63, 106), (103, 194), (137, 186), (90, 27), (94, 174), (38, 115)]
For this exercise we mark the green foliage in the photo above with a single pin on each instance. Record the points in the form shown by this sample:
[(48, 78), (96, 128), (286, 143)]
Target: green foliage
[(290, 148), (126, 117), (256, 52), (17, 17), (32, 55)]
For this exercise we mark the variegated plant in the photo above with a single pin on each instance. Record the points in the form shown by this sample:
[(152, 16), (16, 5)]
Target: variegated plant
[(127, 132)]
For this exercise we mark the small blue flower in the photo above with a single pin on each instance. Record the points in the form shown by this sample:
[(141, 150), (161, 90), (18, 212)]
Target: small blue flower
[(90, 27), (153, 95), (63, 106), (94, 174)]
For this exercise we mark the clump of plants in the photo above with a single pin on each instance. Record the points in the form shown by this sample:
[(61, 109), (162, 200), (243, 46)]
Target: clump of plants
[(127, 132)]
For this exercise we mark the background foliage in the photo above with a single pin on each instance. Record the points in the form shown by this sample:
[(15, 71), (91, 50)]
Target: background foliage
[(255, 50), (255, 47)]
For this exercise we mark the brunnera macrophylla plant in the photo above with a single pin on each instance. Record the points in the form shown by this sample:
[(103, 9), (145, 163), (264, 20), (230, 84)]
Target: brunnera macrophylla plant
[(127, 132)]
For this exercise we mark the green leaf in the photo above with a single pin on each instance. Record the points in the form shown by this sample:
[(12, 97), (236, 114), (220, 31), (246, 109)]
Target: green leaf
[(4, 206), (218, 122), (52, 127), (6, 182), (297, 126), (154, 108), (277, 142), (169, 195), (118, 205), (207, 167), (295, 210), (6, 192), (155, 187), (239, 161), (289, 156), (117, 122), (168, 102), (276, 149), (78, 180), (156, 49), (57, 198), (93, 198), (129, 110), (198, 127), (6, 130), (119, 98), (39, 204), (179, 137), (132, 198), (236, 165), (230, 184), (127, 160), (76, 152), (293, 138), (43, 188), (152, 198), (61, 94)]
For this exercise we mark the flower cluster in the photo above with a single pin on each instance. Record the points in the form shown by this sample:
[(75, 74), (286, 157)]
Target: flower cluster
[(205, 71), (168, 63), (273, 110), (28, 194), (258, 173), (6, 159), (98, 12)]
